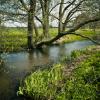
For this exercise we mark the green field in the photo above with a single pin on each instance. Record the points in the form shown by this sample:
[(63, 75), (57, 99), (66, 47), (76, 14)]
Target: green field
[(14, 39)]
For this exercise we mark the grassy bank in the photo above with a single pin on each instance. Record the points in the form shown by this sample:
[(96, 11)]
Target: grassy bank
[(14, 39), (78, 80)]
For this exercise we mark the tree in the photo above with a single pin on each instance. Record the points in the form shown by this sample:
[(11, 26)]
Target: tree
[(70, 31), (31, 14), (21, 10), (67, 11), (45, 16), (70, 12), (28, 11)]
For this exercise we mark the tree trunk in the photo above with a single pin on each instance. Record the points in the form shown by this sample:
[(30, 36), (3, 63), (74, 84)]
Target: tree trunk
[(46, 26), (60, 25), (30, 30), (36, 33), (45, 17), (0, 22), (65, 24), (31, 14)]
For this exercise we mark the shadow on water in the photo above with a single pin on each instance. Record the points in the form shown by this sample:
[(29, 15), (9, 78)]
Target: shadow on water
[(17, 65)]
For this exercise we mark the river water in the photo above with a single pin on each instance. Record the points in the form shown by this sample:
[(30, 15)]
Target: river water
[(17, 65)]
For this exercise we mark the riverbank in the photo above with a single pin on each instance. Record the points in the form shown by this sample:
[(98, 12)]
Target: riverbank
[(73, 79), (15, 39), (16, 65)]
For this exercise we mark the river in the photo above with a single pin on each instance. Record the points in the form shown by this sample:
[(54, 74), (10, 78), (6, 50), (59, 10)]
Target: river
[(17, 65)]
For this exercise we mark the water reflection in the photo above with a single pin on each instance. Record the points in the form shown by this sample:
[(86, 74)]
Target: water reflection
[(18, 64), (75, 46), (5, 86)]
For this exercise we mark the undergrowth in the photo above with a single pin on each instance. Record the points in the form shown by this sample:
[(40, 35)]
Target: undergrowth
[(53, 84)]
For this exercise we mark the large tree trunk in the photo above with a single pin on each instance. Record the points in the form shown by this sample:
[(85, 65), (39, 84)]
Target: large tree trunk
[(46, 26), (60, 24), (30, 31), (36, 33), (45, 17), (31, 14)]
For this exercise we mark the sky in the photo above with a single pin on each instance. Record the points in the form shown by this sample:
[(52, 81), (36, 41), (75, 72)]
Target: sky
[(14, 24), (54, 23), (17, 24)]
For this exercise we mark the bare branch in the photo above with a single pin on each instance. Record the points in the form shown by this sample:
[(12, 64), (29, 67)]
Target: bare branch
[(84, 23), (56, 6), (39, 20), (70, 31), (74, 9), (68, 6), (54, 16), (71, 13), (87, 38), (24, 5)]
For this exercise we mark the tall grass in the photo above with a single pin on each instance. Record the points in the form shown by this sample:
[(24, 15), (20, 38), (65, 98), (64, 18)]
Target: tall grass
[(13, 39), (54, 84)]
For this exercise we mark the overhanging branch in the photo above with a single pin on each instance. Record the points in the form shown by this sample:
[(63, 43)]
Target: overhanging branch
[(87, 38), (82, 24), (70, 31)]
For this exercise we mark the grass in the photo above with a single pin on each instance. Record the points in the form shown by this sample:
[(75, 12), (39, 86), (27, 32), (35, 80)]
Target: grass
[(85, 32), (14, 39), (82, 83), (45, 82)]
